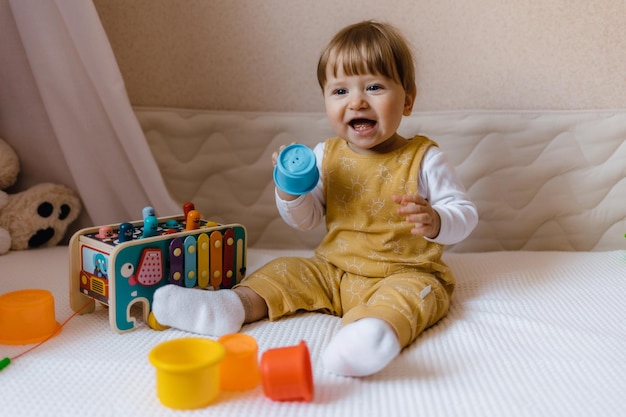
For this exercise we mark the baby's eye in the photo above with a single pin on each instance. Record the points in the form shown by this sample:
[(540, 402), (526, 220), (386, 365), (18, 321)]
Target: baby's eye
[(340, 91), (374, 87)]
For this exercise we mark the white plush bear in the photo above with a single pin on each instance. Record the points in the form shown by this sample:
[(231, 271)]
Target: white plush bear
[(36, 217)]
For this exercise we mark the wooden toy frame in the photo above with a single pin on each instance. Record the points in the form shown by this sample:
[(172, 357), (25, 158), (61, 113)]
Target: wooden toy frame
[(122, 274)]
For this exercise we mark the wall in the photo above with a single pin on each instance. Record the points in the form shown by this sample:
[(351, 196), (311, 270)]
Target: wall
[(261, 54)]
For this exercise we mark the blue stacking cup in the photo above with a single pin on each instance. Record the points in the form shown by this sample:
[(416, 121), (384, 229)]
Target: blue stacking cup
[(296, 170)]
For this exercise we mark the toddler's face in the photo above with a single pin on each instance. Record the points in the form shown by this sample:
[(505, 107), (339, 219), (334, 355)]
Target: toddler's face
[(366, 110)]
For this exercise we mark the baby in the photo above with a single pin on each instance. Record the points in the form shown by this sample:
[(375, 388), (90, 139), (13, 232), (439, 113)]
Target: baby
[(390, 205)]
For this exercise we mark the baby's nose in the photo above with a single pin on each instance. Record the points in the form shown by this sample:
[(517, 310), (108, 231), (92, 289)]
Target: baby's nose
[(358, 102)]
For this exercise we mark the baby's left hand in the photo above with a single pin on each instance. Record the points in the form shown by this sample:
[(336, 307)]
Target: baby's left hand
[(418, 211)]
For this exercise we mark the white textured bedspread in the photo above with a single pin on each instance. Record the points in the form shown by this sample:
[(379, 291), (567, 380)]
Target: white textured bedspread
[(529, 334)]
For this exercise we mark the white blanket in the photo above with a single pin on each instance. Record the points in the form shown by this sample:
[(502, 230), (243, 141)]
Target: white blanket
[(529, 334)]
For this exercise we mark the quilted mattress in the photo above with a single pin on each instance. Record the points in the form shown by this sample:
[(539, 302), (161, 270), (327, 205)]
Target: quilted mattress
[(541, 180)]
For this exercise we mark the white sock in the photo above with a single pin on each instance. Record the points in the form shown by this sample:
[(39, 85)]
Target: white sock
[(213, 313), (361, 348)]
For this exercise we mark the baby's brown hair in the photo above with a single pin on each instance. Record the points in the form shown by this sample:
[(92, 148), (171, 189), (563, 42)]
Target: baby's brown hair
[(369, 47)]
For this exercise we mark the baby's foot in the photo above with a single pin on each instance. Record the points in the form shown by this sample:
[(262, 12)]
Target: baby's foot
[(213, 313), (361, 348)]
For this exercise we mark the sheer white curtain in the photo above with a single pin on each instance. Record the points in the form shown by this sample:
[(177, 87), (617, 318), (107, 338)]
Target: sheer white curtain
[(85, 99)]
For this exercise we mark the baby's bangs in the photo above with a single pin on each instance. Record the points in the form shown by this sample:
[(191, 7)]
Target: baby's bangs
[(368, 48), (362, 59)]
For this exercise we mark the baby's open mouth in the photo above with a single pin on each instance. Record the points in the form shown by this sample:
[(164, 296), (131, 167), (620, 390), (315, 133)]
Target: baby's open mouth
[(362, 124)]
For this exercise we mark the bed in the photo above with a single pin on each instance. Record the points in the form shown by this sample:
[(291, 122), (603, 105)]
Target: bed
[(537, 325)]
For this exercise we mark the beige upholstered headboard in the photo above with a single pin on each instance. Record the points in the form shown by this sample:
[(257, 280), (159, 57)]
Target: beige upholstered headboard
[(541, 180)]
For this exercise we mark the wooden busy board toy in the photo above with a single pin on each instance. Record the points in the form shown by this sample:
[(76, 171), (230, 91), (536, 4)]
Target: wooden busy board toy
[(123, 264)]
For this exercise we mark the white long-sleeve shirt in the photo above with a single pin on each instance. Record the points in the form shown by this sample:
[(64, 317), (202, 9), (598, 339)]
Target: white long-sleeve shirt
[(437, 182)]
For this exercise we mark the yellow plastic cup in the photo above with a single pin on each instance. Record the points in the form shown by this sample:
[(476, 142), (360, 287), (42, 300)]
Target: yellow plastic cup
[(187, 372), (27, 316), (240, 368)]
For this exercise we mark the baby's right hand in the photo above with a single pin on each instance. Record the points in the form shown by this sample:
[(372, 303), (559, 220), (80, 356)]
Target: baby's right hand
[(282, 194), (275, 154)]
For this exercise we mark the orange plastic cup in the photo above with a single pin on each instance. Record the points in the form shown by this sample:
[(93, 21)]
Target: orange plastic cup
[(240, 368), (187, 372), (27, 316), (287, 374)]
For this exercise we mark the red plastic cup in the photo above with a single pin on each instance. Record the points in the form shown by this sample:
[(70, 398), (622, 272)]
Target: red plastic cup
[(286, 373), (240, 368)]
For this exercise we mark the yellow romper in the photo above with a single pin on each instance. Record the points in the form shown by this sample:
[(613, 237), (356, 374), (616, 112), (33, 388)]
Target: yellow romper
[(369, 264)]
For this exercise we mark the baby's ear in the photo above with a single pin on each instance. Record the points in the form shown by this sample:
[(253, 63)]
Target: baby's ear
[(409, 100)]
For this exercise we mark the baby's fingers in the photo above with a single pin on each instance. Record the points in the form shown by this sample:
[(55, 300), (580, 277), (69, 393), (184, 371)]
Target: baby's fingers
[(275, 154)]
